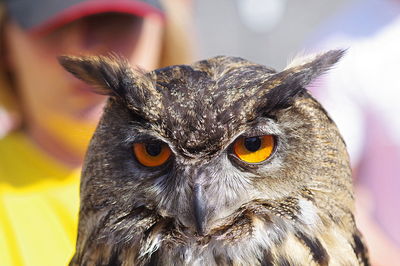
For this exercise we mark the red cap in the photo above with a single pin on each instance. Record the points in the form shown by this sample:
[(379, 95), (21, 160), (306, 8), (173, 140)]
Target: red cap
[(42, 16)]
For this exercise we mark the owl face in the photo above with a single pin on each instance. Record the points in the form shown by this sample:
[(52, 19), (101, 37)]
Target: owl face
[(212, 154)]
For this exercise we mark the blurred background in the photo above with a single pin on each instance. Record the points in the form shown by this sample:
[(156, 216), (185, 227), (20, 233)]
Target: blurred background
[(269, 32)]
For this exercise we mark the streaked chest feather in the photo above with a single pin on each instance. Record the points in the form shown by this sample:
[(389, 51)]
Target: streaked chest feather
[(279, 233)]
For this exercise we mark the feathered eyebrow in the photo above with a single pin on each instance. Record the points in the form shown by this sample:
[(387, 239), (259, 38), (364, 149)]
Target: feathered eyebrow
[(141, 137), (138, 133), (262, 126)]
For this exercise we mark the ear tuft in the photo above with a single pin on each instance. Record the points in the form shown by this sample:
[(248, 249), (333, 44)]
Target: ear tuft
[(312, 66), (282, 88), (106, 74), (113, 76)]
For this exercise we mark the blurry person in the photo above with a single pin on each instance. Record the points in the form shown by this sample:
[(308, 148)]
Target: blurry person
[(361, 94), (47, 116)]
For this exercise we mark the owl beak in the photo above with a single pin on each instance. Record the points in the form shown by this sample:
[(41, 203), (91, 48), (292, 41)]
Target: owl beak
[(199, 208)]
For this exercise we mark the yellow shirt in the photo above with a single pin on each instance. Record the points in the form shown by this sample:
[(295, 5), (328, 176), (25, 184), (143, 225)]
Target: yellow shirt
[(38, 205)]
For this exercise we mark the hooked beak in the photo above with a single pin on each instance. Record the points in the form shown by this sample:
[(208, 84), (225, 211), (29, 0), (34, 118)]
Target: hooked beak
[(199, 207)]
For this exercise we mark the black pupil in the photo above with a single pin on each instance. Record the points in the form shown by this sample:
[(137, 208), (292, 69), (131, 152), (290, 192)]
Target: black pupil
[(153, 149), (252, 144)]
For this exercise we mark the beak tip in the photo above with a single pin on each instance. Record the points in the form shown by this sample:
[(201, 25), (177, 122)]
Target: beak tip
[(200, 228)]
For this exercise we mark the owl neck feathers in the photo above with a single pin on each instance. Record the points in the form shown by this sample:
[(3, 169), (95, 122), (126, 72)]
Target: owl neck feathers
[(289, 230)]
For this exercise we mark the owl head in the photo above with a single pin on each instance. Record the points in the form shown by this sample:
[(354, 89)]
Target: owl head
[(207, 155)]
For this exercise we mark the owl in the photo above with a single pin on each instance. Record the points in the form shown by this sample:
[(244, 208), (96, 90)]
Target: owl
[(223, 162)]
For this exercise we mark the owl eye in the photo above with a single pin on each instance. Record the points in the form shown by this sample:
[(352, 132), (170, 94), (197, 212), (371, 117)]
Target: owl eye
[(151, 154), (254, 149)]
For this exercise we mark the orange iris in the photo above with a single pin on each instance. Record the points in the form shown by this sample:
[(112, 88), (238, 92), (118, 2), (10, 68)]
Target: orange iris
[(151, 154), (254, 149)]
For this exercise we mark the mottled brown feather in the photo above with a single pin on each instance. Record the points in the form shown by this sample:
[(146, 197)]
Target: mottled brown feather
[(295, 208)]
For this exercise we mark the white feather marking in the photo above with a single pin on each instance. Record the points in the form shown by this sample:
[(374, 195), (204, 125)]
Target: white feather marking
[(308, 212), (301, 59), (151, 246)]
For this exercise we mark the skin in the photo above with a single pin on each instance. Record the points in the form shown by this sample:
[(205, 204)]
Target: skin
[(59, 111)]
